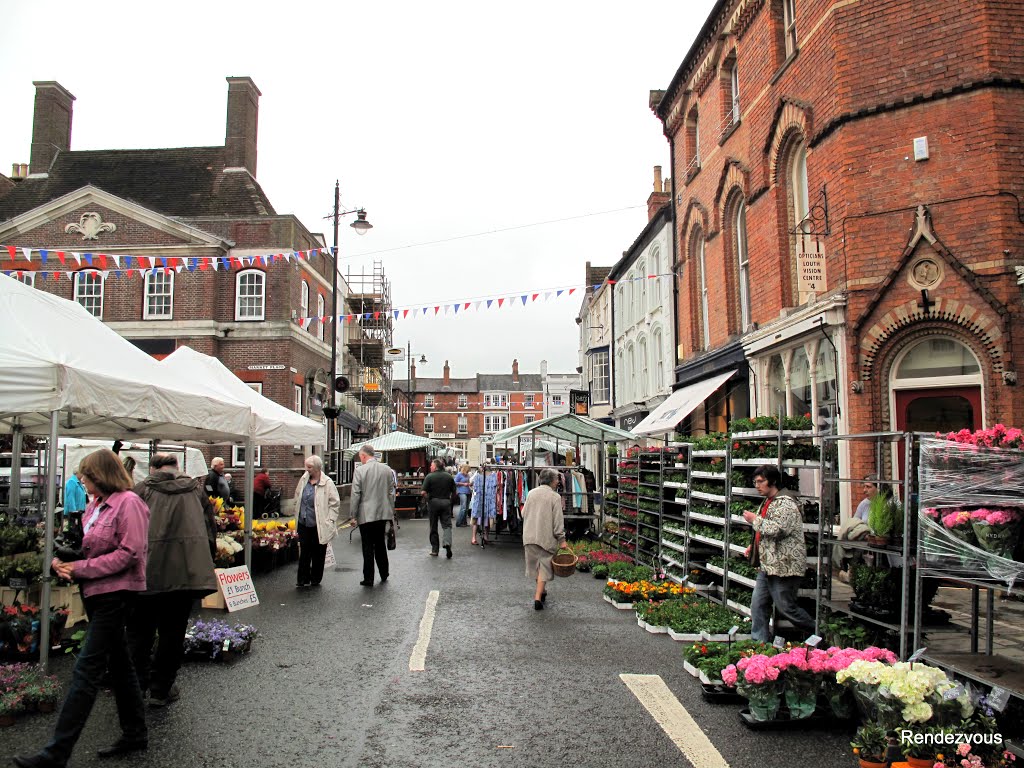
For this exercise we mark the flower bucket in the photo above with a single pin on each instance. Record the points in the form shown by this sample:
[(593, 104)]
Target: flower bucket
[(763, 699), (920, 762), (801, 696)]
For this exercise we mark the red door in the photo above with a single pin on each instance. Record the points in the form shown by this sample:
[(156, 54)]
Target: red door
[(936, 410)]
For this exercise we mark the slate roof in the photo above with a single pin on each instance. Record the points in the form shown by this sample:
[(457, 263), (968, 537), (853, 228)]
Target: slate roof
[(484, 382), (183, 182), (467, 386), (597, 275)]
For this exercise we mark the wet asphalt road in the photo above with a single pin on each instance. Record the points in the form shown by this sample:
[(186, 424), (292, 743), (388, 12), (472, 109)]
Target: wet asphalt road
[(328, 680)]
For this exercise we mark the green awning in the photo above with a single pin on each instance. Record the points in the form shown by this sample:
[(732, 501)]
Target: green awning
[(394, 441), (568, 427)]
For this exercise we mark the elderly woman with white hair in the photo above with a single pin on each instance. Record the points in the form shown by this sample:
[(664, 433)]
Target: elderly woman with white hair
[(317, 505), (543, 533)]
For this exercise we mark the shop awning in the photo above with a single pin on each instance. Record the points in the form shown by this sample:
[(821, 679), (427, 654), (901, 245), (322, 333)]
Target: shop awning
[(395, 441), (679, 405)]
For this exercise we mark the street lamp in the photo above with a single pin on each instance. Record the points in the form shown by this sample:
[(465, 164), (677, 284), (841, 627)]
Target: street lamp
[(408, 380), (361, 226)]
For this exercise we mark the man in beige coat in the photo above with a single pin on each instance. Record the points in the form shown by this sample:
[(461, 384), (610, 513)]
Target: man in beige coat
[(317, 505), (373, 507), (543, 532)]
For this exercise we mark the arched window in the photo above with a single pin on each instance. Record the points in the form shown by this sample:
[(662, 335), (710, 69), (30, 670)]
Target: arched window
[(691, 143), (250, 295), (644, 368), (730, 86), (159, 300), (641, 277), (658, 342), (936, 358), (321, 310), (742, 263), (620, 376), (89, 291), (798, 188), (631, 389), (656, 282), (697, 257), (304, 300)]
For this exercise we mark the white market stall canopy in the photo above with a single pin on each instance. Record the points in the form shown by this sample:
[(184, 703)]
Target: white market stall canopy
[(191, 463), (55, 356), (272, 423), (678, 406), (568, 427), (394, 441)]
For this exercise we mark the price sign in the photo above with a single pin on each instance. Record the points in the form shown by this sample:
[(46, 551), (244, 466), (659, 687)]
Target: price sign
[(15, 582), (779, 642), (812, 641), (954, 692), (998, 699), (237, 587), (917, 655)]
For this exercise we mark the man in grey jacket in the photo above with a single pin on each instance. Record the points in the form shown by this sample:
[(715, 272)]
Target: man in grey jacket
[(179, 570), (373, 506)]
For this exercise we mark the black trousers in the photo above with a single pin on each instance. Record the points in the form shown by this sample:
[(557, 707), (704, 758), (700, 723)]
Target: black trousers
[(311, 555), (375, 548), (104, 642), (162, 616)]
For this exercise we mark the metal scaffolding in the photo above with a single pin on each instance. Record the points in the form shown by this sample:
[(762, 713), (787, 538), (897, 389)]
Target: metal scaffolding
[(367, 338)]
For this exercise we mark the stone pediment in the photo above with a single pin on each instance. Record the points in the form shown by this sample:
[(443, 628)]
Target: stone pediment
[(90, 219)]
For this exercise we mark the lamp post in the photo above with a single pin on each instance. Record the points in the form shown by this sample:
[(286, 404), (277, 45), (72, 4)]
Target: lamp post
[(361, 226), (408, 380)]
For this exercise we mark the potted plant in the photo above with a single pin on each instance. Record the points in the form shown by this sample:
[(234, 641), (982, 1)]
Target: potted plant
[(881, 519), (756, 678), (870, 745)]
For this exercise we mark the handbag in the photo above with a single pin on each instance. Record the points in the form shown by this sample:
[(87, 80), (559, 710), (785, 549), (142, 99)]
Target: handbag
[(392, 541)]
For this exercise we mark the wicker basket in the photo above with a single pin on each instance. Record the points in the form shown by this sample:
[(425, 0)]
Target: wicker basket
[(564, 563)]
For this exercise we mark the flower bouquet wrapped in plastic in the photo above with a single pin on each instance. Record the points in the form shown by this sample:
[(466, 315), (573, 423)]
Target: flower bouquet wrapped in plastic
[(803, 668), (958, 522), (997, 530)]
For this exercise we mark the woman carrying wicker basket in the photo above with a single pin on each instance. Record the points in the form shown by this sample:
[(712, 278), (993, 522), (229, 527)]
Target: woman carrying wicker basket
[(543, 532)]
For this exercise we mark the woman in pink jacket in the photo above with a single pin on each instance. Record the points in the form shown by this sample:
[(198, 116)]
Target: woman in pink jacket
[(111, 573)]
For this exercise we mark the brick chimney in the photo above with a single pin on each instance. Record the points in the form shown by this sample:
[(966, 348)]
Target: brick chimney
[(412, 372), (243, 116), (661, 195), (51, 124), (447, 375), (515, 371)]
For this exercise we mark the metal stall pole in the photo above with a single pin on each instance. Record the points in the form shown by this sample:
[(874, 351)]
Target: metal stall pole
[(14, 499), (249, 475), (908, 452), (51, 502)]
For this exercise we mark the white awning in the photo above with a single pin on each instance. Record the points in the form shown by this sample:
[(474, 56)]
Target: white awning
[(679, 405)]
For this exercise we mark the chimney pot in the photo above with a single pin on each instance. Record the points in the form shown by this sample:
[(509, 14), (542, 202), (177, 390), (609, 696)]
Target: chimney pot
[(447, 374), (15, 170), (51, 124), (657, 179), (515, 371), (242, 124)]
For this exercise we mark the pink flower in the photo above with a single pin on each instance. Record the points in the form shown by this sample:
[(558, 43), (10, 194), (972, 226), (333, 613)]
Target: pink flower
[(956, 519), (729, 675)]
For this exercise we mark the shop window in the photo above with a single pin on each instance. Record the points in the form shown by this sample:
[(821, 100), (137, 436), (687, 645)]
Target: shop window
[(799, 384), (776, 386), (159, 298), (937, 358), (250, 295), (89, 291)]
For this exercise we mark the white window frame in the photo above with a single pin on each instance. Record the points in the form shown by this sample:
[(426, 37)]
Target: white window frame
[(496, 400), (656, 271), (298, 395), (800, 191), (463, 424), (743, 264), (556, 400), (463, 401), (528, 401), (641, 275), (321, 312), (600, 389), (304, 300), (238, 451), (428, 401), (148, 294), (85, 298), (643, 370), (529, 418), (428, 424), (705, 316), (658, 342), (632, 390), (27, 278), (240, 279), (789, 25), (734, 86)]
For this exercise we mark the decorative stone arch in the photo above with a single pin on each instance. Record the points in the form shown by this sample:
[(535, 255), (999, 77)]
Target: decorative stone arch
[(734, 175), (790, 116), (973, 325), (696, 216), (903, 339)]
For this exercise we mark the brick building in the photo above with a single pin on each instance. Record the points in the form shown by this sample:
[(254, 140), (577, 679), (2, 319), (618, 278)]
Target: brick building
[(170, 207), (462, 411), (847, 185)]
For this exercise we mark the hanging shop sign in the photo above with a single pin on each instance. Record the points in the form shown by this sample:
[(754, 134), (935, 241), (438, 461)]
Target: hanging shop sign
[(394, 355), (810, 266), (579, 402), (628, 422)]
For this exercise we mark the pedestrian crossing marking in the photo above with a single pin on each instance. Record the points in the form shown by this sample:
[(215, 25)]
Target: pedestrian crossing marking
[(674, 720), (418, 660)]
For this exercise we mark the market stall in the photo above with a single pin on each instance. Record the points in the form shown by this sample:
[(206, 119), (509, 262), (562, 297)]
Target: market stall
[(407, 454)]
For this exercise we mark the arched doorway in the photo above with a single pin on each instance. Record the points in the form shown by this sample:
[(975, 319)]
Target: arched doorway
[(935, 386)]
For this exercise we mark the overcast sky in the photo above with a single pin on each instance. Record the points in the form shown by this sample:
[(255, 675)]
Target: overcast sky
[(443, 120)]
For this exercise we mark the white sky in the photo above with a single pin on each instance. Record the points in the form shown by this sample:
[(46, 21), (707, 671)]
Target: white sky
[(442, 119)]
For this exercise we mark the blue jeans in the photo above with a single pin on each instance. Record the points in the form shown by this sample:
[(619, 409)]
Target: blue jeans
[(782, 591), (463, 509), (104, 642)]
